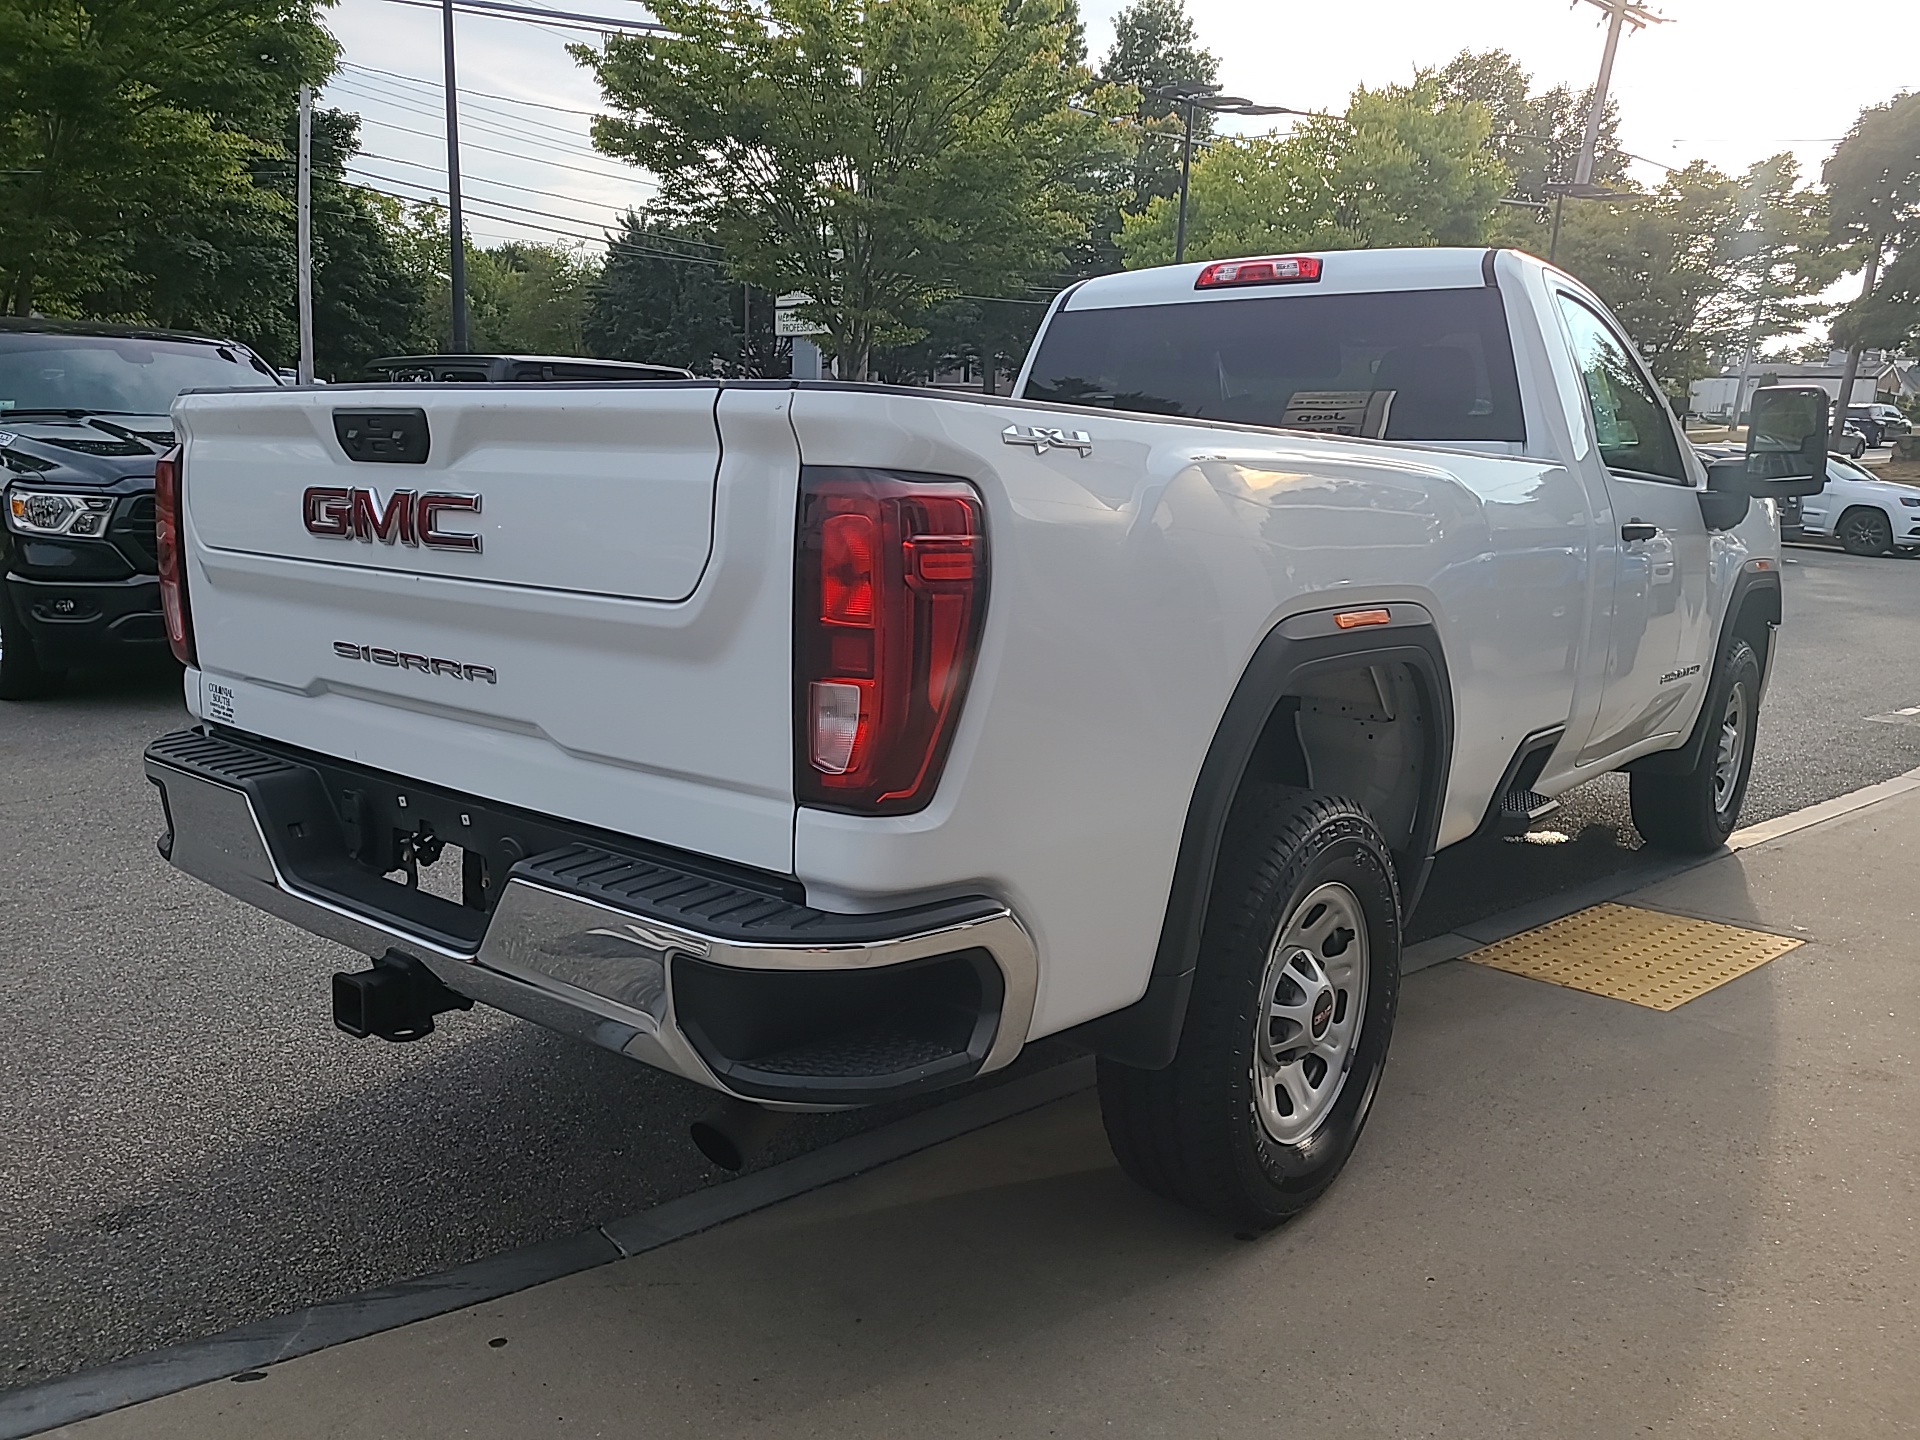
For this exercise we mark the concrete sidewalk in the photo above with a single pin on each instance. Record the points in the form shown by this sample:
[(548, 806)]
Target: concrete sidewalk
[(1570, 1216)]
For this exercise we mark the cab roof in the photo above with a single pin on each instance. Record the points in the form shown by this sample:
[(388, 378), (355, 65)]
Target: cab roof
[(1341, 272)]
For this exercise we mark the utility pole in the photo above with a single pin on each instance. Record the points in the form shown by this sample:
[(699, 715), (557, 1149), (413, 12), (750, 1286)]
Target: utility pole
[(1620, 13), (457, 261), (1186, 177), (304, 242)]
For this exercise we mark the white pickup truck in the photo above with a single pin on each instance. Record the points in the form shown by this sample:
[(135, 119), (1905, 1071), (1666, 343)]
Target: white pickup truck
[(827, 743)]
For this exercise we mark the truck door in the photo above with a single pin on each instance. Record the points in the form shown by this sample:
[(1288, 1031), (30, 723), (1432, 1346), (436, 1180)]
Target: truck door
[(1656, 540)]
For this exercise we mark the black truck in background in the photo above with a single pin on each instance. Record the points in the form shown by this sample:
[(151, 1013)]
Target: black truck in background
[(83, 417)]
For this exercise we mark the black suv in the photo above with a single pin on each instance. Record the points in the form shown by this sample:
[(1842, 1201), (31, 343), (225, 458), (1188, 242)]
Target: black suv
[(83, 417)]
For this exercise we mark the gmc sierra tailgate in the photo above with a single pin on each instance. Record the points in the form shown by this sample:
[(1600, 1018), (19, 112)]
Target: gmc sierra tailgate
[(572, 599)]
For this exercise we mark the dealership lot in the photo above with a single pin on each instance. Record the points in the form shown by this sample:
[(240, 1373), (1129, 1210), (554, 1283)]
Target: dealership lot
[(193, 1146)]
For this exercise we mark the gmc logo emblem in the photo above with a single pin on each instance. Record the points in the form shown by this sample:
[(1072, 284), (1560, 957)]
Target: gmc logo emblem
[(408, 517)]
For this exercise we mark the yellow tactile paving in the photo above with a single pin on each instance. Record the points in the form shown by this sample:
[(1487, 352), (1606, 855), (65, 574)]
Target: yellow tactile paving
[(1641, 956)]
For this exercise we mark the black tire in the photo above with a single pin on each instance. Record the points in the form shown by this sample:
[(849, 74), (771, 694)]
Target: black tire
[(1194, 1131), (22, 676), (1864, 531), (1694, 813), (1859, 449)]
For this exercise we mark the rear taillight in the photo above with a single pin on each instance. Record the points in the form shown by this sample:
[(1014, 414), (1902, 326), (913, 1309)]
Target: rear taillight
[(169, 549), (891, 590)]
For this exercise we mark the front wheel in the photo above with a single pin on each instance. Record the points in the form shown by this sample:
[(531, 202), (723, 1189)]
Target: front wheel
[(1864, 532), (1286, 1032), (1695, 812)]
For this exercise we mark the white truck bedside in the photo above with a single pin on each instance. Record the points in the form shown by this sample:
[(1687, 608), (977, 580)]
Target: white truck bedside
[(828, 743)]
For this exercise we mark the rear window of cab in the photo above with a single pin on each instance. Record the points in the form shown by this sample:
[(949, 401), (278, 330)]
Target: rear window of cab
[(1430, 365)]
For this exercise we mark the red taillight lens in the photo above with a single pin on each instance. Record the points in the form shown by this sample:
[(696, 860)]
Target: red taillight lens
[(1268, 270), (169, 548), (891, 590)]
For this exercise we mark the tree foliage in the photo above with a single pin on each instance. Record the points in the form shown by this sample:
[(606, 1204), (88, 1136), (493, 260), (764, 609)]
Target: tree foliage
[(128, 129), (1873, 181), (1537, 137), (1155, 44), (1405, 166), (664, 297), (876, 155)]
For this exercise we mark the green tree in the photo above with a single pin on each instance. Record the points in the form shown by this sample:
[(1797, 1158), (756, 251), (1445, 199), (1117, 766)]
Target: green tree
[(1155, 44), (664, 297), (1778, 255), (1661, 261), (876, 155), (1873, 185), (121, 118), (1405, 166), (1537, 137), (529, 299)]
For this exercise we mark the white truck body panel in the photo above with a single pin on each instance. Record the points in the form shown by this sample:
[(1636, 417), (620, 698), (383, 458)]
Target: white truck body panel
[(634, 597), (669, 719)]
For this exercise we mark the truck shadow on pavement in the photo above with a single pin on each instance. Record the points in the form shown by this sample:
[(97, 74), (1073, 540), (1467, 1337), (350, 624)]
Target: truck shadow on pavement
[(1555, 1200)]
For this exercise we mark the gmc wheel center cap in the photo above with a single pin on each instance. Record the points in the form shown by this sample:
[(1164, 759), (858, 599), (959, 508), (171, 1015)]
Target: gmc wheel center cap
[(1322, 1013)]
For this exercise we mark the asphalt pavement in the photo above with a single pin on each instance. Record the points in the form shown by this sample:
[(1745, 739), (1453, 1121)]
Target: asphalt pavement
[(191, 1146)]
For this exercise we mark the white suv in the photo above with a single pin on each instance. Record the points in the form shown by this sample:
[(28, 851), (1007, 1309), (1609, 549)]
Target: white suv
[(1867, 515)]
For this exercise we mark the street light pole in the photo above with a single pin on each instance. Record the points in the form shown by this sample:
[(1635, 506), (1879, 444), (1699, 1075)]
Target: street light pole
[(1188, 96), (303, 234), (1186, 177), (457, 260)]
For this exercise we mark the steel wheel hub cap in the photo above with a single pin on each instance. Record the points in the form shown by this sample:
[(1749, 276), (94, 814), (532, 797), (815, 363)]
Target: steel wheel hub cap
[(1731, 748), (1314, 996)]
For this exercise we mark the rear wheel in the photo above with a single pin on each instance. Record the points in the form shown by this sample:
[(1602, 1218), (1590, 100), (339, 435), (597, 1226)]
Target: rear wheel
[(22, 676), (1694, 813), (1286, 1033), (1864, 532)]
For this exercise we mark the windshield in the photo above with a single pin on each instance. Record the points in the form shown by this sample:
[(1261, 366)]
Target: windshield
[(1405, 365), (108, 373)]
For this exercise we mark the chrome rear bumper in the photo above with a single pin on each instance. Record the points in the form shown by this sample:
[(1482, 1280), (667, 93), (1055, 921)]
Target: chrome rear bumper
[(579, 943)]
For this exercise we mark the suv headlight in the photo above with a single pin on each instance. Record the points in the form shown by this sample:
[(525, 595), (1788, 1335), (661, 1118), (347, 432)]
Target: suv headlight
[(1912, 502), (44, 512)]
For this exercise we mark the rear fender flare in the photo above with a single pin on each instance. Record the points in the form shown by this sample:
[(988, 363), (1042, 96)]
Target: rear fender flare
[(1146, 1033)]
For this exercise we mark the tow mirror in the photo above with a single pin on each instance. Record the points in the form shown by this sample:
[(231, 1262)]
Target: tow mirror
[(1786, 446)]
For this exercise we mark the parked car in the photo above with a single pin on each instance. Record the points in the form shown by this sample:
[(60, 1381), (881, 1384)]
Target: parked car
[(83, 418), (513, 369), (827, 744), (1865, 514), (1879, 423)]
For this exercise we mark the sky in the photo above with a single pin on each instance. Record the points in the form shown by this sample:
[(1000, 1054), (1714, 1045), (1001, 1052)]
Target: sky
[(1728, 81)]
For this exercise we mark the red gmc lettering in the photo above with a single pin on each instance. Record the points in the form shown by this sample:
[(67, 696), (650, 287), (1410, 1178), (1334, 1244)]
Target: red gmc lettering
[(427, 525), (406, 518), (393, 523), (329, 511)]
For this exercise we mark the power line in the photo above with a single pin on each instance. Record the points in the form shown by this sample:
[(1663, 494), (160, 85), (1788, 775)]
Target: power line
[(375, 90), (434, 86), (537, 15), (440, 170), (621, 242), (510, 154), (492, 127)]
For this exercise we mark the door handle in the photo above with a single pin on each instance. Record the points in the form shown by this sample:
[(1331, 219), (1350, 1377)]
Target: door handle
[(1635, 530)]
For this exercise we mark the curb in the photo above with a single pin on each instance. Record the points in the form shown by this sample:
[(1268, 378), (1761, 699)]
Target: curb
[(1456, 944), (91, 1393)]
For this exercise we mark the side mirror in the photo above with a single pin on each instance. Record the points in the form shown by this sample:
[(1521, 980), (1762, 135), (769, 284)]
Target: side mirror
[(1786, 446)]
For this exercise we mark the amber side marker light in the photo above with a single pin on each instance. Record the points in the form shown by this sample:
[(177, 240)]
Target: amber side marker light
[(1354, 619)]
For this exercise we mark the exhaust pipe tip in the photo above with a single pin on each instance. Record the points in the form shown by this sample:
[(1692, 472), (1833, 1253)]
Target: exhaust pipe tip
[(735, 1133)]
